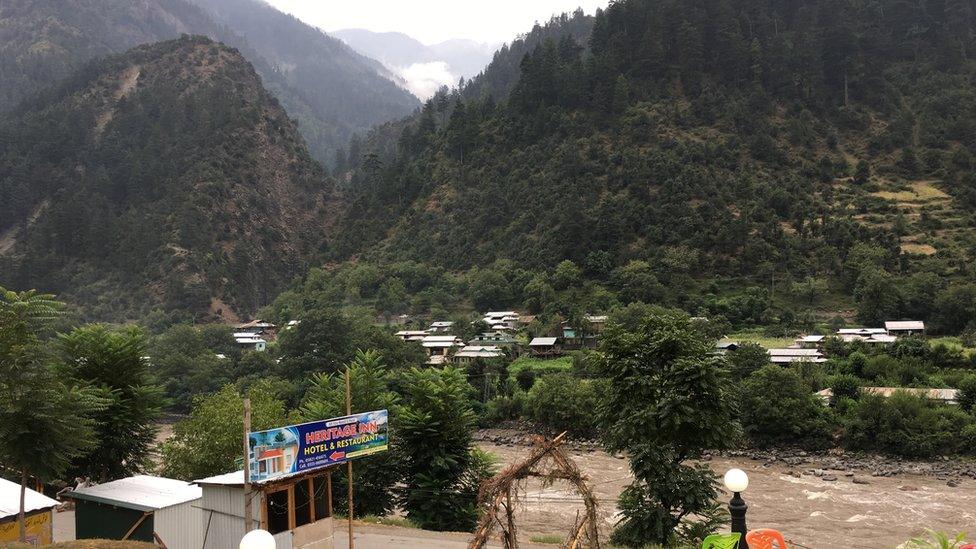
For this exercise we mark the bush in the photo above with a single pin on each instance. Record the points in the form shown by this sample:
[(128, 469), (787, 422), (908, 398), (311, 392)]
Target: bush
[(561, 402), (745, 360), (504, 408), (967, 393), (845, 386), (777, 407), (907, 425)]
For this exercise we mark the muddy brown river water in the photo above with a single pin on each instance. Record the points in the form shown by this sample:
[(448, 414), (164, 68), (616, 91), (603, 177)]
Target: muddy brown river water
[(808, 510)]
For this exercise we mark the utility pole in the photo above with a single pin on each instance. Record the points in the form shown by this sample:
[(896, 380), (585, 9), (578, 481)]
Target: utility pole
[(349, 461), (248, 520)]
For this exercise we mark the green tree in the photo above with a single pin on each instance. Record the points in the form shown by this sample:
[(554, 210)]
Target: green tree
[(434, 441), (877, 297), (373, 476), (45, 421), (777, 407), (667, 401), (125, 430), (746, 359), (209, 442), (562, 402), (566, 275), (967, 393), (862, 173)]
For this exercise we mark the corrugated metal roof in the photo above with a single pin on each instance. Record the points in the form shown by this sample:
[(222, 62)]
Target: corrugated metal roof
[(905, 325), (10, 499), (141, 492), (227, 479), (790, 351), (542, 341)]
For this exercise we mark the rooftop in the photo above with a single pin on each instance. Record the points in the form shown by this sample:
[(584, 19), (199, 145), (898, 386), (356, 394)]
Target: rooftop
[(542, 341), (141, 492), (10, 499), (904, 325)]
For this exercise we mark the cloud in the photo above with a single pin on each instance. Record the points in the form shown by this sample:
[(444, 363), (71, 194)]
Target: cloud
[(424, 79)]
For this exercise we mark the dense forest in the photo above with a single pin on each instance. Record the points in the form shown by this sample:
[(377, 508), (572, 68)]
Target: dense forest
[(330, 90), (163, 177), (703, 149)]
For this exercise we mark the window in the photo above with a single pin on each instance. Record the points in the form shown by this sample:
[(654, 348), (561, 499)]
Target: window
[(277, 503)]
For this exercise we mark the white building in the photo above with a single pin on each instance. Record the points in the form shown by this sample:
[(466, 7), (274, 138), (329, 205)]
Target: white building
[(905, 327), (412, 335), (790, 355), (251, 342), (440, 327), (473, 352)]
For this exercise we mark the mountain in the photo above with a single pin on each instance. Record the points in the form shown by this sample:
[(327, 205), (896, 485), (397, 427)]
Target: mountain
[(425, 69), (165, 177), (329, 89), (706, 152), (343, 88)]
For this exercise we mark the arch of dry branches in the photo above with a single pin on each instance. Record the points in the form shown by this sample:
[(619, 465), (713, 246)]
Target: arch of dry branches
[(548, 462)]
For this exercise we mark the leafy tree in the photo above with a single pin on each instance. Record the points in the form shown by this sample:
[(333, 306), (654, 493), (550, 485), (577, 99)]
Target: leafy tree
[(907, 425), (373, 476), (45, 421), (666, 402), (746, 359), (967, 393), (210, 441), (114, 363), (562, 402), (434, 440), (862, 173), (777, 407), (877, 296)]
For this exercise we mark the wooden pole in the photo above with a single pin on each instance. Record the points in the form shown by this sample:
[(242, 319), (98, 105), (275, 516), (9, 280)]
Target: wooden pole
[(348, 461), (248, 517)]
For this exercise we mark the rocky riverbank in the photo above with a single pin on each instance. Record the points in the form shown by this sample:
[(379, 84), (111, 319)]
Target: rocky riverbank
[(830, 465)]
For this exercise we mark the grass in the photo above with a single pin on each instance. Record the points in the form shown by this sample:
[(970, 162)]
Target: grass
[(402, 522), (539, 366), (756, 336), (548, 538)]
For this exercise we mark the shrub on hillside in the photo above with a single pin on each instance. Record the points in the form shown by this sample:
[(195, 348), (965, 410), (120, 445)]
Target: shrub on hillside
[(967, 393), (777, 407)]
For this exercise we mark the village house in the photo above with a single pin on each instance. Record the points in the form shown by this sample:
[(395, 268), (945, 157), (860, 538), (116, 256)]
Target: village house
[(905, 327), (724, 347), (412, 335), (470, 353), (498, 339), (810, 341), (438, 347), (266, 330), (502, 320), (440, 327), (250, 342), (545, 346), (947, 396), (791, 355)]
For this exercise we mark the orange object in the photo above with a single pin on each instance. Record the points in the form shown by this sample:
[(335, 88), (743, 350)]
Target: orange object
[(764, 538), (969, 546)]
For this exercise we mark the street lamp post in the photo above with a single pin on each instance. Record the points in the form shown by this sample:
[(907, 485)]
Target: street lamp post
[(736, 481)]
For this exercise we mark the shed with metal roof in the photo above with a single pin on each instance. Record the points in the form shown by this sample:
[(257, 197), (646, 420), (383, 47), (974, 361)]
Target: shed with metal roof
[(140, 508), (37, 514)]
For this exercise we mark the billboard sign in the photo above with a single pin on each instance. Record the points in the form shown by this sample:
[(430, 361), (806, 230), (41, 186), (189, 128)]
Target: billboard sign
[(285, 451)]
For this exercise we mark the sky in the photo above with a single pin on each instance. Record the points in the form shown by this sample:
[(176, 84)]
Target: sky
[(433, 21)]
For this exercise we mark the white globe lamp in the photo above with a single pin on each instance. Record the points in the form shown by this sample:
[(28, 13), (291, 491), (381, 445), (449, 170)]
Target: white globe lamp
[(736, 480), (258, 539)]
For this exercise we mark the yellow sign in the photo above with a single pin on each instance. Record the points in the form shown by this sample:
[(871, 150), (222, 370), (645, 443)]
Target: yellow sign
[(38, 529)]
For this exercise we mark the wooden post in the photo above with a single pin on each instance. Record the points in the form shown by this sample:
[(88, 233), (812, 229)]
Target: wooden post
[(248, 518), (348, 461)]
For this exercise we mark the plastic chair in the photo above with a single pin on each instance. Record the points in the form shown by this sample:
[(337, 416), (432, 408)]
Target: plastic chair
[(764, 539), (722, 541)]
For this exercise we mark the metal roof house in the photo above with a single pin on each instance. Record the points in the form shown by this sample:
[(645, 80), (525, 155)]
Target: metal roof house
[(545, 346), (296, 510), (905, 327), (140, 508), (37, 514), (470, 353), (789, 355)]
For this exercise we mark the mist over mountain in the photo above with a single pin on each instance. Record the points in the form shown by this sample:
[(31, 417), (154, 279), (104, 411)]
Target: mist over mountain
[(424, 68)]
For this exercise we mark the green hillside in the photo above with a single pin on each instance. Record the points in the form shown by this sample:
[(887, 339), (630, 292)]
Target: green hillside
[(164, 177), (698, 154)]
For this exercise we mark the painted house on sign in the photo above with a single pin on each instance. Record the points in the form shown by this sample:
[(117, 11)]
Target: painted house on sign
[(157, 510), (37, 514)]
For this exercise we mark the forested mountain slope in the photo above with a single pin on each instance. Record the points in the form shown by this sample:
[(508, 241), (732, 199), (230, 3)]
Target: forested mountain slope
[(331, 90), (709, 141), (163, 177)]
